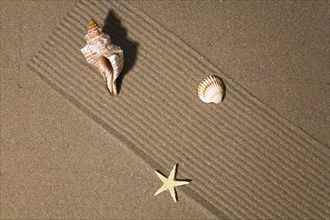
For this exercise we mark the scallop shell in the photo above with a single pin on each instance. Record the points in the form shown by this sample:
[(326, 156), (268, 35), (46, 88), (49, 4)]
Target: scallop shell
[(211, 89), (100, 52)]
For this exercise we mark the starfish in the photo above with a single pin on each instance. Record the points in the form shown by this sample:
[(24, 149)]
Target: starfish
[(170, 183)]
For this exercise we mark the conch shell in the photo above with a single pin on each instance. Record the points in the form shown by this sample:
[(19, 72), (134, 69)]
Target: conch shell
[(100, 52), (211, 89)]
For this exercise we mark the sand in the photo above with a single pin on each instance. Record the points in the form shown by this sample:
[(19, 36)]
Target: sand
[(68, 150)]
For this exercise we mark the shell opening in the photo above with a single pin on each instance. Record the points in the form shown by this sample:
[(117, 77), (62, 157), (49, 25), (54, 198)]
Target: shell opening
[(108, 73)]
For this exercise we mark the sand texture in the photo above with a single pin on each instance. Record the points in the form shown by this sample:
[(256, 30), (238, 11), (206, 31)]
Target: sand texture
[(69, 150)]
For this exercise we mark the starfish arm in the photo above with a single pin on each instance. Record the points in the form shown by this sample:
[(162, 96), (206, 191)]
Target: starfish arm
[(172, 191), (161, 189), (172, 174), (180, 183), (163, 178)]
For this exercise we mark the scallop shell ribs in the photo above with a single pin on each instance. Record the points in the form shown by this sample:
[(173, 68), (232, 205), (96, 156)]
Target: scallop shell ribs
[(211, 89), (100, 52)]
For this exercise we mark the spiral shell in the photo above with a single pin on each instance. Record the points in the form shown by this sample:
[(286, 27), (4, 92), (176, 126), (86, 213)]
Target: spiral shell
[(104, 55), (211, 89)]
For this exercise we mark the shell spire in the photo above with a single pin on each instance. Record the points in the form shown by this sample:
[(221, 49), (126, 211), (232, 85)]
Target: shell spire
[(91, 25)]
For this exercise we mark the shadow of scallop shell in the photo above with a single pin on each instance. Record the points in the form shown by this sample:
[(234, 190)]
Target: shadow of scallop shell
[(211, 89)]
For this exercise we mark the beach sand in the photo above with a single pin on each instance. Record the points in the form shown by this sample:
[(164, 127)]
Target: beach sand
[(69, 150)]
